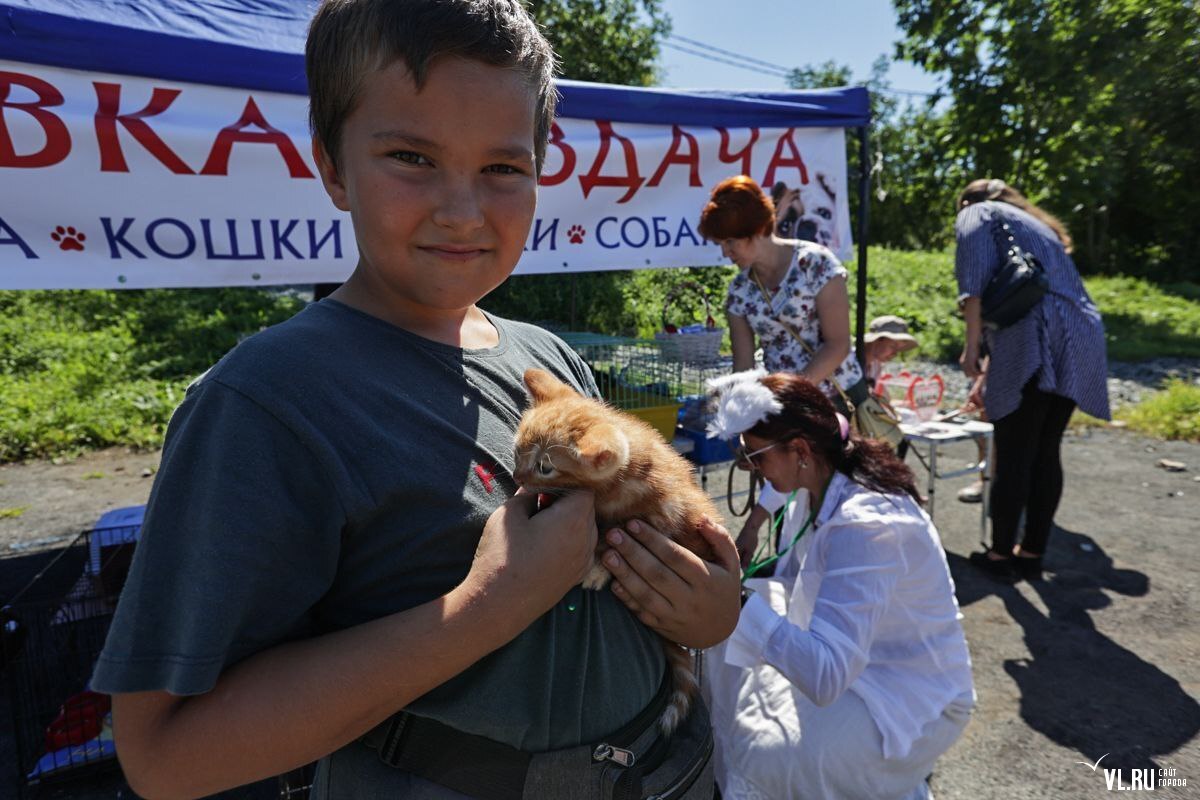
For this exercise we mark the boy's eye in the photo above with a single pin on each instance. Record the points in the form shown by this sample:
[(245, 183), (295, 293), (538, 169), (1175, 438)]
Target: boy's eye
[(409, 157), (505, 169)]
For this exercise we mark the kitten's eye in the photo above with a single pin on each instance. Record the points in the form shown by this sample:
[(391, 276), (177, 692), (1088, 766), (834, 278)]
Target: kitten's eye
[(545, 468)]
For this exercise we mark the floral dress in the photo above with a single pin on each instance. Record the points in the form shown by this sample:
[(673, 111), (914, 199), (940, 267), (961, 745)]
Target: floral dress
[(795, 301)]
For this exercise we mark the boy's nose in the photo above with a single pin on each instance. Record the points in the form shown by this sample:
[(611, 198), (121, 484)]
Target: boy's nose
[(460, 206)]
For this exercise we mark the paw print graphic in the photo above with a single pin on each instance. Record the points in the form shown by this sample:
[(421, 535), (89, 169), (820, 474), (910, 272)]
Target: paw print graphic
[(575, 234), (68, 238)]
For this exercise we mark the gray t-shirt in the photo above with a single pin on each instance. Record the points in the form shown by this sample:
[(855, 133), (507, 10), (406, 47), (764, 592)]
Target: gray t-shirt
[(334, 469)]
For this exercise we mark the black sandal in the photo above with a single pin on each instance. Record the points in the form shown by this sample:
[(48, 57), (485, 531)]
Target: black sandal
[(997, 569), (1029, 569)]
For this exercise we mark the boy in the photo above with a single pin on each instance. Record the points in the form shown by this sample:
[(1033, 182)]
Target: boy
[(333, 536)]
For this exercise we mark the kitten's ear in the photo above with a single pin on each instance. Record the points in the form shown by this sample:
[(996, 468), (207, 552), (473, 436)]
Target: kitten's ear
[(604, 448), (544, 386)]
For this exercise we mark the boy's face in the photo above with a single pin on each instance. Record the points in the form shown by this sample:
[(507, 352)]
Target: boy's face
[(440, 183)]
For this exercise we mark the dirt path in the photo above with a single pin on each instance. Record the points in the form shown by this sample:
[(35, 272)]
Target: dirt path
[(1101, 658)]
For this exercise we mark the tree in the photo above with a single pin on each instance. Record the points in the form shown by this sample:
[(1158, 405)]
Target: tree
[(913, 183), (609, 41), (1089, 106)]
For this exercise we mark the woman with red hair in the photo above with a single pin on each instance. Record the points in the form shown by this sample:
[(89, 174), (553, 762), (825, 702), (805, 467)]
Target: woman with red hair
[(788, 289)]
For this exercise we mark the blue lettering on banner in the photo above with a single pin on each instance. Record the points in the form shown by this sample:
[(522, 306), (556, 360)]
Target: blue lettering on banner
[(188, 237), (176, 239), (645, 232), (636, 233), (315, 245), (662, 237), (600, 233), (280, 240), (118, 237), (686, 230), (234, 253), (539, 234), (13, 238)]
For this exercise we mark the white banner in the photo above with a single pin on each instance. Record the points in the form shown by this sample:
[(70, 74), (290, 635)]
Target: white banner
[(112, 181)]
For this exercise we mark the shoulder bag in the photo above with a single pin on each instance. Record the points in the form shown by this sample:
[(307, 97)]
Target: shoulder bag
[(1018, 285)]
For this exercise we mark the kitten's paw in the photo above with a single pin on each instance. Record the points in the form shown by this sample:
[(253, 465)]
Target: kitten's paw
[(597, 577)]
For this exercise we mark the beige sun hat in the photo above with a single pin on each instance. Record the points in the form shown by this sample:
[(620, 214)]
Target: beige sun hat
[(890, 327)]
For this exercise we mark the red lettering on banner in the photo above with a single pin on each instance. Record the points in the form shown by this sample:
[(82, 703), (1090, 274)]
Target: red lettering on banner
[(631, 180), (108, 104), (218, 159), (568, 156), (778, 160), (58, 140), (673, 156), (742, 155)]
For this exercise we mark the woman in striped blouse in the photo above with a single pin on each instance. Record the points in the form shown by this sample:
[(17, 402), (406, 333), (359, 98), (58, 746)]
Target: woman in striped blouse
[(1039, 369)]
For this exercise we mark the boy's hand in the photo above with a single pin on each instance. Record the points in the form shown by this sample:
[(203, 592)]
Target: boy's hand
[(528, 559), (672, 590)]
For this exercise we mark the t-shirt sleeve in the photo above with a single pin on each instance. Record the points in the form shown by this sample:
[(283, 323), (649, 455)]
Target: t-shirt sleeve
[(240, 541), (976, 254), (824, 267), (735, 298)]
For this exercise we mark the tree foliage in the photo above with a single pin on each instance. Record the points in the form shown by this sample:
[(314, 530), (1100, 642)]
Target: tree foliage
[(609, 41), (1091, 107)]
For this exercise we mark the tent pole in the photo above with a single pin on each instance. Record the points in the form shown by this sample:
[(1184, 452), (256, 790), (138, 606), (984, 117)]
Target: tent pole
[(864, 186)]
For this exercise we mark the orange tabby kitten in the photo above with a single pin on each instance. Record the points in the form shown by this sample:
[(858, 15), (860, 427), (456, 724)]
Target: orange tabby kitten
[(567, 441)]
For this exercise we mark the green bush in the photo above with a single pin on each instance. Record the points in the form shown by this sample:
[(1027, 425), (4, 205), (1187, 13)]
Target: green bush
[(88, 369), (1173, 413)]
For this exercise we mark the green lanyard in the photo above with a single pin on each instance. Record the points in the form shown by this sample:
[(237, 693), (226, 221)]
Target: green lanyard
[(755, 563)]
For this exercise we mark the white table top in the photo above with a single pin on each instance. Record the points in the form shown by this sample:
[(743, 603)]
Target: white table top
[(945, 431)]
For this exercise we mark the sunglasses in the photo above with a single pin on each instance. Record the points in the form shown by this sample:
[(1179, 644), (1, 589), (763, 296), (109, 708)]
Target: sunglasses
[(753, 459)]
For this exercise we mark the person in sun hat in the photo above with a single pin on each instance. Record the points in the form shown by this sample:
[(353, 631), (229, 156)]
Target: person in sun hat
[(848, 673), (886, 338)]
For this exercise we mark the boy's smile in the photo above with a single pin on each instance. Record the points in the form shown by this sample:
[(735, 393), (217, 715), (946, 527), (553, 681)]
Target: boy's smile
[(441, 186)]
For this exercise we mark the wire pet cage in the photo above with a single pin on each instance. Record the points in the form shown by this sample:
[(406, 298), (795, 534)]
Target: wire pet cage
[(634, 376), (51, 638), (644, 377)]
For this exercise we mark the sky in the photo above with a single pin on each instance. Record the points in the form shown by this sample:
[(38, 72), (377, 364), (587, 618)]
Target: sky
[(787, 33)]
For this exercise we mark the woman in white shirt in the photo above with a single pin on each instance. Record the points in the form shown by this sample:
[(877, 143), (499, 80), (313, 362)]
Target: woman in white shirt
[(848, 674)]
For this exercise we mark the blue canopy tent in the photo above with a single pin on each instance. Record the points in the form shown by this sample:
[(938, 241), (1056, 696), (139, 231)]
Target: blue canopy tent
[(259, 44)]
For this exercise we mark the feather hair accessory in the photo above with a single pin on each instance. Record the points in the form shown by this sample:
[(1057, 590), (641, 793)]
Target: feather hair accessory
[(740, 401)]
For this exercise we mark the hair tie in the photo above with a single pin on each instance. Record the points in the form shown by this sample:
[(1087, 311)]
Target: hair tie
[(843, 427), (995, 187)]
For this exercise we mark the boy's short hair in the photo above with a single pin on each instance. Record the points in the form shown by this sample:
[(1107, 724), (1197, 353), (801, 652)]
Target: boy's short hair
[(737, 209), (348, 40)]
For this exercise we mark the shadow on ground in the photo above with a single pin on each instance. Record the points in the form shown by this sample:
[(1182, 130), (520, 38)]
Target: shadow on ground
[(1079, 687)]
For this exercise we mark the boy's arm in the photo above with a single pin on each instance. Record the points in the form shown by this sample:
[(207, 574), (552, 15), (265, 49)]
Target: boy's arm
[(296, 702)]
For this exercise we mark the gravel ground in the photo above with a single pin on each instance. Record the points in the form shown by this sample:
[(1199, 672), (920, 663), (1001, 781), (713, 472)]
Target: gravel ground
[(1101, 658)]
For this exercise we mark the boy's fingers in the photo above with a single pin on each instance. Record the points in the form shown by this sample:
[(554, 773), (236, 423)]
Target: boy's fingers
[(663, 549), (640, 591), (722, 544)]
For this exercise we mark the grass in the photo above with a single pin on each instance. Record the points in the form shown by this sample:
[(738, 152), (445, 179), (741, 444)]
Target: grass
[(82, 370), (12, 512), (1173, 413)]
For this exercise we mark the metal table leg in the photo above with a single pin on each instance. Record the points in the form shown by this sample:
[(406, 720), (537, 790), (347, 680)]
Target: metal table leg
[(932, 475)]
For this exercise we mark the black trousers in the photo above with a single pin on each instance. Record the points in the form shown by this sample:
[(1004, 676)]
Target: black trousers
[(1028, 475)]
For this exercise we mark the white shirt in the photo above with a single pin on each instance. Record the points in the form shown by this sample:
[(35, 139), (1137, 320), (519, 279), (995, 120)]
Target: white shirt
[(871, 610)]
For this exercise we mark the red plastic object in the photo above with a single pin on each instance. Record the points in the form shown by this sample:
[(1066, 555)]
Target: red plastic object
[(79, 720)]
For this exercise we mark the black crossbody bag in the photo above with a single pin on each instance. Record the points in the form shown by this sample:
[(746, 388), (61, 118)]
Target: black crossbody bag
[(1017, 287)]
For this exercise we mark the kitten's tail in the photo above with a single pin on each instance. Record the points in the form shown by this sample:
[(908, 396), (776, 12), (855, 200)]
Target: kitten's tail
[(683, 687)]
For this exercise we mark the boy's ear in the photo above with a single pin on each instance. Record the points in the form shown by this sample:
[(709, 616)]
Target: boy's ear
[(544, 386), (329, 175), (604, 448)]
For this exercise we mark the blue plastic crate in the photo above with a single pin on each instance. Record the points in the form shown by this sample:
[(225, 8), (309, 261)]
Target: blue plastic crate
[(705, 450)]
